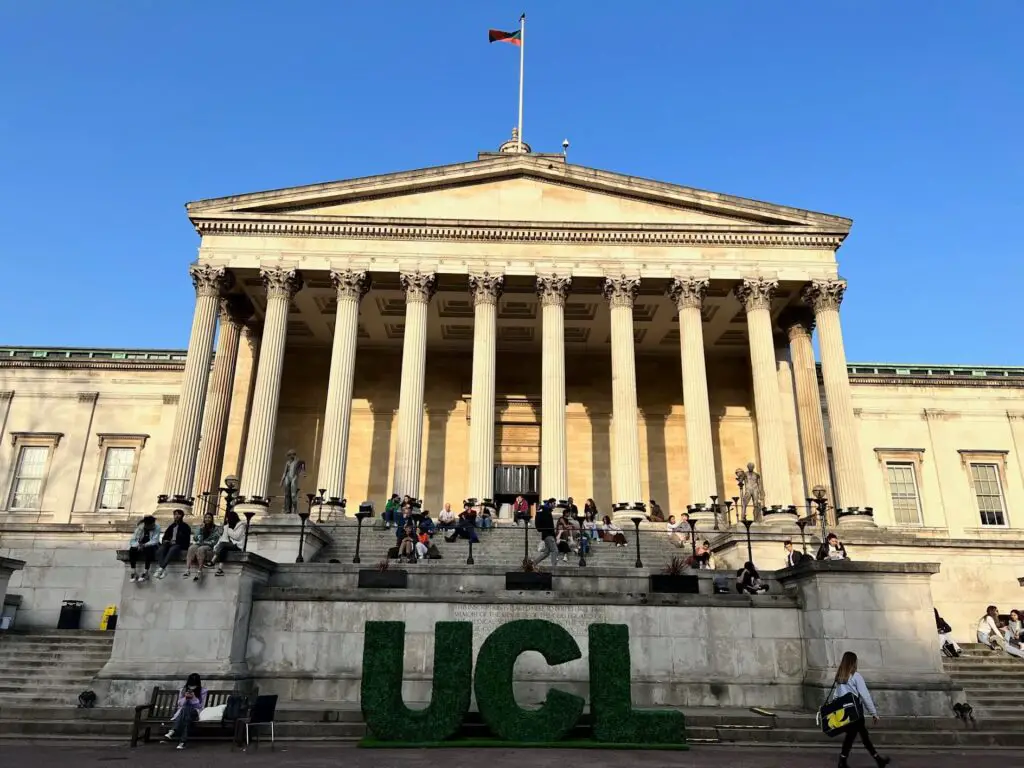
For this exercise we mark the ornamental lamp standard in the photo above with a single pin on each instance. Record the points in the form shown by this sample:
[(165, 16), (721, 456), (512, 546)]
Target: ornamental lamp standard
[(820, 500), (320, 504), (365, 511), (579, 522), (304, 516), (249, 514), (230, 491), (636, 524), (693, 535), (747, 522), (802, 524)]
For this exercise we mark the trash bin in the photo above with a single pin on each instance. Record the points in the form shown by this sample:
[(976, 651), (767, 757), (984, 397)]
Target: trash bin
[(70, 614)]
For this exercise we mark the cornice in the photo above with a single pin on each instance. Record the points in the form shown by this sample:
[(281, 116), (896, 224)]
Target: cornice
[(569, 233)]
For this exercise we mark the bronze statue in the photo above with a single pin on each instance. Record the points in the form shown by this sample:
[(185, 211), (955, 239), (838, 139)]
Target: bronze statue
[(751, 489), (294, 468)]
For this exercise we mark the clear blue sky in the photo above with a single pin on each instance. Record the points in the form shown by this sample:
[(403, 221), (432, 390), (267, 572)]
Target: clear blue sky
[(905, 116)]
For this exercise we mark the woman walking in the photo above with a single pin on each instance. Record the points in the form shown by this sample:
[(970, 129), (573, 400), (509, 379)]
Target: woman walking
[(849, 680)]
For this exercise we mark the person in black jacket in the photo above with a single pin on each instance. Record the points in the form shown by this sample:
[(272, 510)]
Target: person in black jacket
[(176, 540), (793, 556), (544, 522), (832, 549)]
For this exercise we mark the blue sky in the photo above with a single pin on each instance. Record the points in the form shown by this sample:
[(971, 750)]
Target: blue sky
[(907, 117)]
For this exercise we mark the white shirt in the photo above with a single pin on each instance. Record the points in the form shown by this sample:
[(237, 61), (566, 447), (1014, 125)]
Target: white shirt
[(673, 527), (857, 686), (987, 625)]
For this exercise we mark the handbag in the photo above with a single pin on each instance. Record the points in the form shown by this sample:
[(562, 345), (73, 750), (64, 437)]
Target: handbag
[(840, 715)]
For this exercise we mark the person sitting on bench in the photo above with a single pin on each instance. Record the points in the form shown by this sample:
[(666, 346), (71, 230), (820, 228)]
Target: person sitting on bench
[(191, 701)]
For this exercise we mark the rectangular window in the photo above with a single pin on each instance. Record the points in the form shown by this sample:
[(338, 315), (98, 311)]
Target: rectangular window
[(29, 474), (903, 491), (117, 475), (989, 493)]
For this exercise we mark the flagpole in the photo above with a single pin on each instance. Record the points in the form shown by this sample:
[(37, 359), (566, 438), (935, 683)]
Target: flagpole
[(522, 52)]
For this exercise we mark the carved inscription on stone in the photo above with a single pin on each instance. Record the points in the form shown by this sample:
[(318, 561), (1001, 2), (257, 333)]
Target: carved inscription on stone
[(487, 618)]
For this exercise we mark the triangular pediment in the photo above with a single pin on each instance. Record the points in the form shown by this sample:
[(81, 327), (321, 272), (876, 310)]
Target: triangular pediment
[(515, 189)]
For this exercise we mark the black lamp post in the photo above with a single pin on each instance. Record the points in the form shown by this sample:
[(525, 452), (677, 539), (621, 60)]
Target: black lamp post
[(714, 508), (469, 558), (320, 505), (249, 514), (636, 524), (821, 502), (360, 516), (747, 522), (802, 524), (304, 516), (526, 540), (230, 491), (579, 521), (693, 535)]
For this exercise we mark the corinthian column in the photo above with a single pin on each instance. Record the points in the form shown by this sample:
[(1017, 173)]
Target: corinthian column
[(825, 296), (688, 295), (235, 311), (210, 282), (554, 480), (621, 292), (756, 297), (419, 287), (282, 283), (350, 287), (485, 290), (798, 324)]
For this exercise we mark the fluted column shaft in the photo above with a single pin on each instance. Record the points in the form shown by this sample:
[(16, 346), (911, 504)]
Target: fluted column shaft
[(755, 295), (419, 287), (350, 287), (554, 473), (210, 282), (798, 327), (282, 283), (825, 296), (234, 311), (688, 295), (485, 289), (626, 490)]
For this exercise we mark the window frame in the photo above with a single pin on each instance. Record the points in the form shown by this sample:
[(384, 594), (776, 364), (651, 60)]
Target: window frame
[(997, 459), (106, 441), (19, 441), (903, 456)]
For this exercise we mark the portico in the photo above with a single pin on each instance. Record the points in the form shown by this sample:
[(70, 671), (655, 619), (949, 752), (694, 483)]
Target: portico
[(613, 337)]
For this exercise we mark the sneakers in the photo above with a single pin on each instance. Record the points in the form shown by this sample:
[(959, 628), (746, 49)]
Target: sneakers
[(144, 577), (186, 574), (196, 577), (160, 573), (169, 735), (181, 745), (134, 577), (219, 572), (882, 760)]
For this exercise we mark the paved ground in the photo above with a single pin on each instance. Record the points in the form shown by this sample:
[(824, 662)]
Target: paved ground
[(303, 756)]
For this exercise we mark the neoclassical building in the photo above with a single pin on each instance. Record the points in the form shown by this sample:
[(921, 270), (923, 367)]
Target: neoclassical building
[(513, 324)]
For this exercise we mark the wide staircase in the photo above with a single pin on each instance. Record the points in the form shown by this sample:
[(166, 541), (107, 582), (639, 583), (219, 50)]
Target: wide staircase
[(992, 680), (51, 668), (501, 545)]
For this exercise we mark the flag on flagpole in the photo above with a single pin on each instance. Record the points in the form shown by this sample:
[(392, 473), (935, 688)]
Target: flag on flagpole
[(497, 36)]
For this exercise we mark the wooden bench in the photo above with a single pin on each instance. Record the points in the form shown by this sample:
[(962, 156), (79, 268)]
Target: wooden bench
[(163, 703)]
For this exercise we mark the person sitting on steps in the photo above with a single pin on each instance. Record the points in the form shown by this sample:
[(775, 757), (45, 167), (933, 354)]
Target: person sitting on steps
[(144, 543), (174, 542), (232, 541), (204, 541)]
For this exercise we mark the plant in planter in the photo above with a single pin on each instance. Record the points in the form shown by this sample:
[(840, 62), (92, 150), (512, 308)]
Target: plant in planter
[(528, 577), (383, 577), (674, 579)]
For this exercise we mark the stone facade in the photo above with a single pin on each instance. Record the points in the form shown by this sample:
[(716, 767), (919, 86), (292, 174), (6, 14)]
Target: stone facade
[(632, 340)]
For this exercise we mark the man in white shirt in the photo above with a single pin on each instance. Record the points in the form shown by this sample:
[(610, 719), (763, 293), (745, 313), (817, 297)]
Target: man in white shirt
[(446, 519)]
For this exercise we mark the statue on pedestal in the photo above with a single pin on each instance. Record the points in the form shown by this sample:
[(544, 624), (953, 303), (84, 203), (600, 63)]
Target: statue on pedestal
[(751, 489), (294, 468)]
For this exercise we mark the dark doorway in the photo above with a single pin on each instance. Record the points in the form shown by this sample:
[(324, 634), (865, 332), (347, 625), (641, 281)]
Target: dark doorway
[(511, 480)]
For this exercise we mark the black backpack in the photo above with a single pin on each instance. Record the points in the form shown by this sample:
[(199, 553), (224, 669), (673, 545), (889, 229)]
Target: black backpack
[(234, 708), (86, 700)]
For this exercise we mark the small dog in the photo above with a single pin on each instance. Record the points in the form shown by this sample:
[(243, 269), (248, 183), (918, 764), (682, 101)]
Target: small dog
[(964, 711)]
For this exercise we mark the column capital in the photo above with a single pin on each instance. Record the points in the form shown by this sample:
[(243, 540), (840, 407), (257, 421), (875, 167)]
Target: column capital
[(350, 284), (621, 291), (687, 292), (281, 282), (419, 287), (797, 322), (756, 293), (209, 280), (824, 295), (553, 289), (236, 309), (486, 288)]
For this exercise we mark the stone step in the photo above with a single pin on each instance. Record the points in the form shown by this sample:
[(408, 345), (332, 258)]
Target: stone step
[(66, 712), (27, 682)]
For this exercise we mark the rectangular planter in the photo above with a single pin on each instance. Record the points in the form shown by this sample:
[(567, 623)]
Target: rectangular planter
[(517, 580), (682, 584), (373, 579)]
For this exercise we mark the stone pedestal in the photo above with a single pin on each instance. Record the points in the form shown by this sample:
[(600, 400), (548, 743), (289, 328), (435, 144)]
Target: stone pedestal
[(277, 539), (782, 519), (170, 628), (7, 567), (883, 613)]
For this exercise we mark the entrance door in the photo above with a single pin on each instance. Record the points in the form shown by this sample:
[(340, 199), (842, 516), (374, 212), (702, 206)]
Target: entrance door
[(511, 480)]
